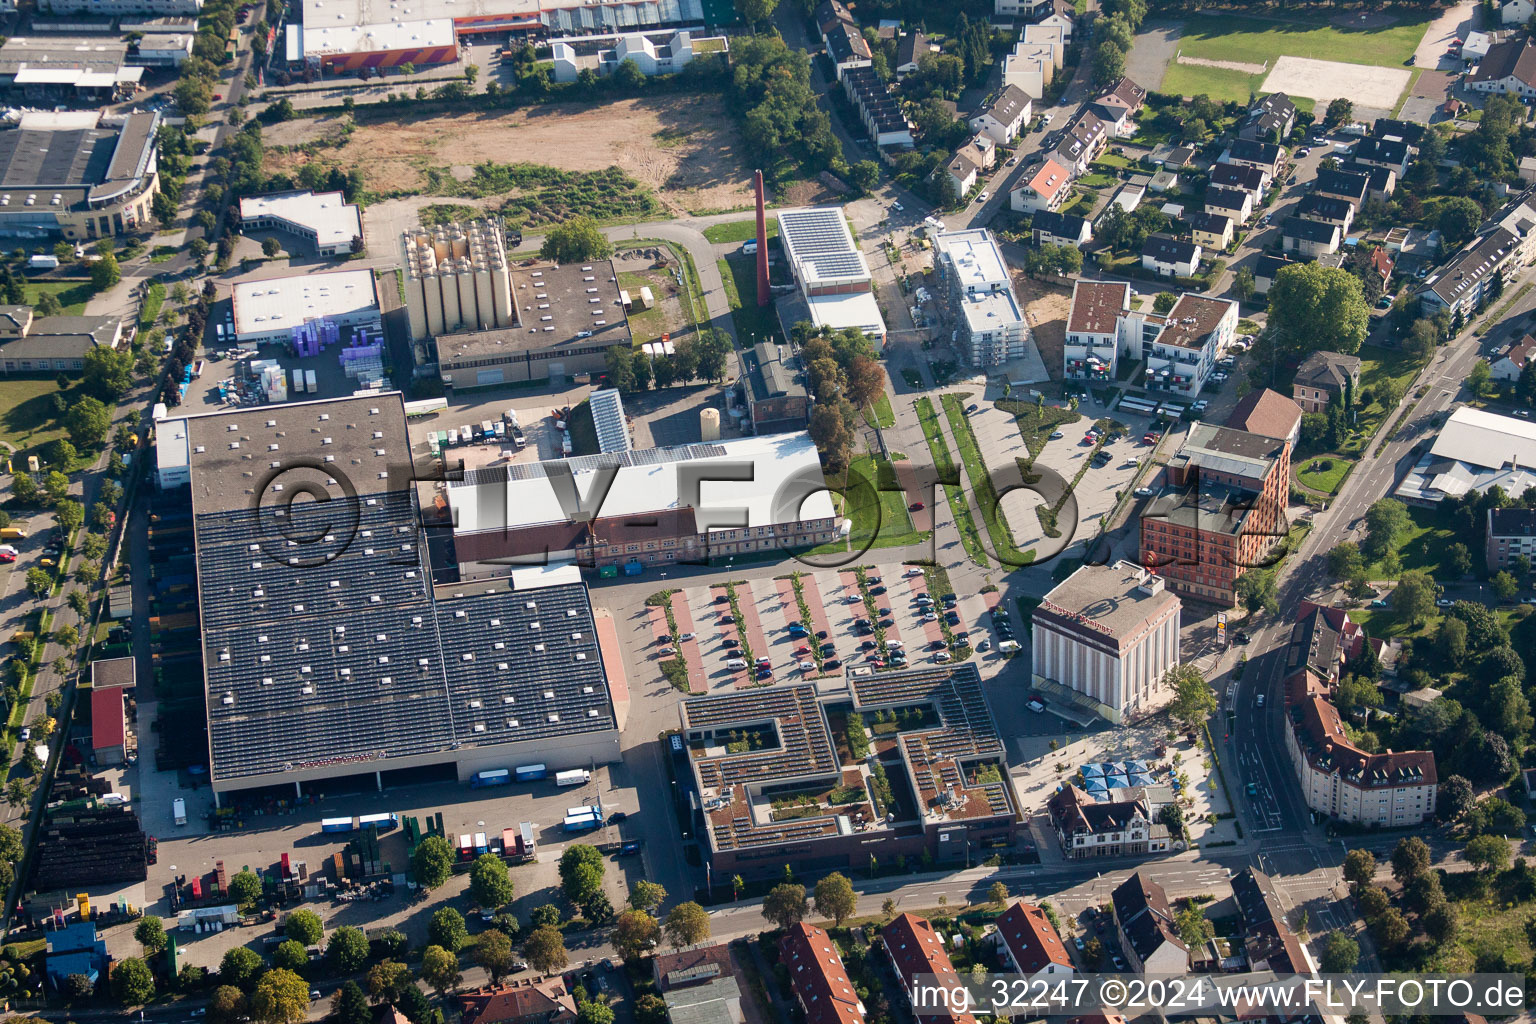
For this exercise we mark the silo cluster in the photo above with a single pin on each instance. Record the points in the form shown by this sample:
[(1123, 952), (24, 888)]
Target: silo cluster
[(457, 279)]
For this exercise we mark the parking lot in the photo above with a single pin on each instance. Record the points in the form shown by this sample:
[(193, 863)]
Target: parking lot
[(192, 850)]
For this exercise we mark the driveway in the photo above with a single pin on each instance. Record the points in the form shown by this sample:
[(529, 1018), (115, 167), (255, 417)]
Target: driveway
[(1156, 44), (1454, 22)]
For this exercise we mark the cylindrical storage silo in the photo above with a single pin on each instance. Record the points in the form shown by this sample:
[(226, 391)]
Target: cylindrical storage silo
[(433, 291), (452, 319), (501, 294), (469, 311), (709, 425), (415, 300), (483, 295)]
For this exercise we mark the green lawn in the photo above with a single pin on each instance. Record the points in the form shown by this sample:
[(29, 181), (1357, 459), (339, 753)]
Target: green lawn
[(1376, 365), (1327, 480), (981, 484), (27, 416), (1427, 539), (739, 231), (1097, 180), (879, 510), (879, 413), (71, 294), (1220, 84), (1257, 40), (959, 507), (1108, 159), (754, 323), (644, 325), (1037, 422)]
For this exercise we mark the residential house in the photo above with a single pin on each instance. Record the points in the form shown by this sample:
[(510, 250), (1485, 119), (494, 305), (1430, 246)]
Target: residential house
[(1265, 269), (1269, 944), (1322, 377), (915, 949), (1229, 202), (1118, 106), (1266, 156), (546, 1001), (1047, 35), (911, 49), (880, 111), (818, 977), (1050, 228), (1174, 158), (1512, 360), (847, 48), (1098, 330), (1269, 120), (1460, 284), (1044, 189), (1145, 923), (1509, 69), (1323, 642), (1268, 414), (1387, 154), (1510, 533), (963, 168), (1030, 944), (1210, 230), (1517, 12), (828, 13), (1183, 354), (1327, 210), (1242, 177), (1105, 828), (1060, 17), (1476, 46), (1410, 132), (1167, 256), (1381, 264), (1381, 182), (1083, 140), (1309, 237), (1019, 8), (1031, 67), (1345, 185), (1005, 116)]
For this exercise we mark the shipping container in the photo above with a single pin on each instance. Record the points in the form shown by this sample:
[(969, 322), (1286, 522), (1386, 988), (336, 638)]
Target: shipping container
[(384, 822), (491, 777), (532, 773), (298, 382), (574, 777), (309, 381), (335, 824)]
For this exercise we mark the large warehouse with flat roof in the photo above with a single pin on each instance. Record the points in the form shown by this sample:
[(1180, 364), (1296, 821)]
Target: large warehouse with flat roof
[(78, 181), (831, 271), (269, 310), (327, 651)]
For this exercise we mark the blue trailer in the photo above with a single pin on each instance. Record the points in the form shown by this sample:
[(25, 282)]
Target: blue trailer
[(336, 824), (492, 777), (582, 822), (633, 568), (532, 773), (383, 822)]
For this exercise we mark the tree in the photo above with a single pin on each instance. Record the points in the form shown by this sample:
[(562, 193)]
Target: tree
[(1487, 853), (1244, 285), (304, 927), (387, 980), (439, 969), (997, 895), (1341, 954), (1414, 598), (545, 950), (1108, 63), (1442, 923), (687, 924), (347, 949), (865, 381), (108, 372), (578, 240), (105, 273), (1339, 111), (1454, 798), (1410, 858), (635, 932), (290, 955), (239, 965), (581, 873), (447, 930), (835, 898), (1193, 928), (1162, 302), (245, 887), (1391, 928), (646, 895), (709, 353), (651, 1009), (227, 1005), (87, 422), (1505, 586), (1458, 560), (133, 984), (149, 933), (24, 488), (1172, 816), (833, 434), (489, 884), (1257, 590), (1421, 341), (432, 862), (350, 1005), (494, 953), (281, 997), (864, 175), (546, 916), (785, 904), (69, 515), (1458, 218), (1193, 699), (621, 368), (413, 1003), (1315, 307)]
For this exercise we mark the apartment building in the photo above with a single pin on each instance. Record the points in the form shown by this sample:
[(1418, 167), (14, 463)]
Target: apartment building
[(1510, 534), (1195, 333), (1324, 377), (1030, 944), (1121, 827), (985, 316), (1144, 921)]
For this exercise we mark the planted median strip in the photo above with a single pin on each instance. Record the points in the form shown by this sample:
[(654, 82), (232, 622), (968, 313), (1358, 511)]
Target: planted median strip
[(970, 539), (981, 484)]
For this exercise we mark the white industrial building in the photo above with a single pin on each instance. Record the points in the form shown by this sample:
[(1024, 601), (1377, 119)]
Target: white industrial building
[(1104, 638), (456, 278), (269, 310), (1474, 451), (832, 273), (986, 318), (604, 54), (325, 219)]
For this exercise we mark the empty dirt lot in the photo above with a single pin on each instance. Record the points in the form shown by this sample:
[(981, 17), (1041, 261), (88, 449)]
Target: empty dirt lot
[(1045, 308), (684, 148)]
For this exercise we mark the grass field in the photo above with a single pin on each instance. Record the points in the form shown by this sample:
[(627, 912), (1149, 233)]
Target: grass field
[(754, 323), (959, 505), (739, 231), (880, 518), (1324, 480), (879, 413), (981, 484), (71, 294), (27, 416)]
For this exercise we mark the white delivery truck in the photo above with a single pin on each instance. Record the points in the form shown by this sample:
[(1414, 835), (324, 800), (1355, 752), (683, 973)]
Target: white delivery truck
[(574, 777), (179, 810)]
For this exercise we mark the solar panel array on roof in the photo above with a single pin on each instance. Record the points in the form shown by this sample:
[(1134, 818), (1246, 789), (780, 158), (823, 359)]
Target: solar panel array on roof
[(608, 419), (819, 241)]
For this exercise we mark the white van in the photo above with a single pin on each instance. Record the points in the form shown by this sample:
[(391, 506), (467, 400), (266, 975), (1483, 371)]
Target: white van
[(736, 663), (941, 656)]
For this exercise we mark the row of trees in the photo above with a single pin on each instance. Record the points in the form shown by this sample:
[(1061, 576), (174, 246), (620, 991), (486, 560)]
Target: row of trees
[(1115, 31), (705, 357), (844, 376)]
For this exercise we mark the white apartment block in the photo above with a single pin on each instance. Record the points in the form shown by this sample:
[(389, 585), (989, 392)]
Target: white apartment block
[(1107, 634), (1341, 781), (988, 322), (1181, 348), (1196, 331)]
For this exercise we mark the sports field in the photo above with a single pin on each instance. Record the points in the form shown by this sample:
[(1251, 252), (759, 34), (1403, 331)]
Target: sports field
[(1250, 47)]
